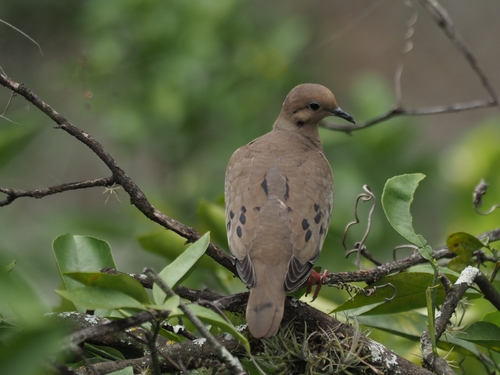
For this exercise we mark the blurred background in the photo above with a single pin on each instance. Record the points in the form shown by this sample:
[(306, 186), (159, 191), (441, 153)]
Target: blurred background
[(172, 88)]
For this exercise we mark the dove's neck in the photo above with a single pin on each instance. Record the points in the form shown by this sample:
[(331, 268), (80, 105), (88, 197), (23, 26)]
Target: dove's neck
[(308, 131)]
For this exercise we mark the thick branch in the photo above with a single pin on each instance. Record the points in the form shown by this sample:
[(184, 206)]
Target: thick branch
[(137, 197), (100, 331), (385, 269)]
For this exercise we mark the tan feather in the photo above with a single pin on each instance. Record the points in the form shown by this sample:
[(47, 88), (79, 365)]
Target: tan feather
[(279, 198)]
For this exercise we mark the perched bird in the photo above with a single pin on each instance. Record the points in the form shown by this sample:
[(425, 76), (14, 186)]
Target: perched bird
[(279, 197)]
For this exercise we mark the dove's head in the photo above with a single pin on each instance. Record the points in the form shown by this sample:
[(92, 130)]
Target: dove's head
[(306, 105)]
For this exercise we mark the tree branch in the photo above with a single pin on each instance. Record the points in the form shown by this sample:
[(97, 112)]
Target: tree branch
[(444, 21), (137, 197), (13, 194)]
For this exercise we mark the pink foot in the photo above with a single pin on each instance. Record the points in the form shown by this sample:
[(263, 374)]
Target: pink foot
[(315, 279)]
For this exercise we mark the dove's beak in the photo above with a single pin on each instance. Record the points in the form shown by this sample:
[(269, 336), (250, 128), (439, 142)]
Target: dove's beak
[(339, 112)]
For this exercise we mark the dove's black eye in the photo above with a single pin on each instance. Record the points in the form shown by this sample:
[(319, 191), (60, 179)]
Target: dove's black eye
[(314, 106)]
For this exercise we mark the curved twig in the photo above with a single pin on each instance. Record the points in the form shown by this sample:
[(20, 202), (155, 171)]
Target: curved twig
[(359, 247)]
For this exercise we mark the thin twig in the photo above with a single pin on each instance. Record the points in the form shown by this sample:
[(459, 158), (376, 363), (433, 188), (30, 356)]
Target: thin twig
[(13, 194), (410, 30), (232, 362), (359, 247), (398, 111), (444, 21), (24, 34)]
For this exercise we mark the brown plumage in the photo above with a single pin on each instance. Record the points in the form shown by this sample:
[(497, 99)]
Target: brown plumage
[(279, 197)]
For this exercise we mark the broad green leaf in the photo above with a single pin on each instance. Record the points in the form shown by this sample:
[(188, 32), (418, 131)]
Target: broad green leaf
[(213, 216), (81, 254), (122, 282), (396, 200), (172, 303), (482, 333), (410, 325), (163, 242), (210, 317), (493, 318), (93, 298), (463, 245), (180, 267), (406, 324), (411, 287)]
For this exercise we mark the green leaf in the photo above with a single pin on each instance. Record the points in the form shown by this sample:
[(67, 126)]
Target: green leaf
[(463, 245), (411, 288), (213, 216), (19, 301), (104, 351), (396, 200), (93, 298), (482, 333), (180, 267), (493, 317), (122, 283), (81, 254), (210, 317), (410, 325), (406, 324), (163, 242)]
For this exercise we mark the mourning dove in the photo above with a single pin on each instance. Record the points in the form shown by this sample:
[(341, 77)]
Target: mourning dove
[(279, 197)]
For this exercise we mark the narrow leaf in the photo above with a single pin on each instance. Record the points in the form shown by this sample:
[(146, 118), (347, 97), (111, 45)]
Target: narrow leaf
[(180, 267), (210, 317), (93, 298)]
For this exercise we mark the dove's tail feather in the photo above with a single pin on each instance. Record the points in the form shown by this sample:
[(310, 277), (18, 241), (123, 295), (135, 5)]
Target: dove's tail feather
[(265, 309)]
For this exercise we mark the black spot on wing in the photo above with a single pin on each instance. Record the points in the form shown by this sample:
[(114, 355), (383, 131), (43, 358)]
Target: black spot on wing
[(287, 189), (231, 214), (321, 230), (264, 186), (239, 232), (305, 224), (243, 209), (317, 218), (257, 208), (228, 225), (243, 218), (308, 235), (316, 207)]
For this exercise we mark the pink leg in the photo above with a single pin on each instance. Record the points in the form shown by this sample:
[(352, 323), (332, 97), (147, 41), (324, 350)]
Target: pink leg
[(315, 279)]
